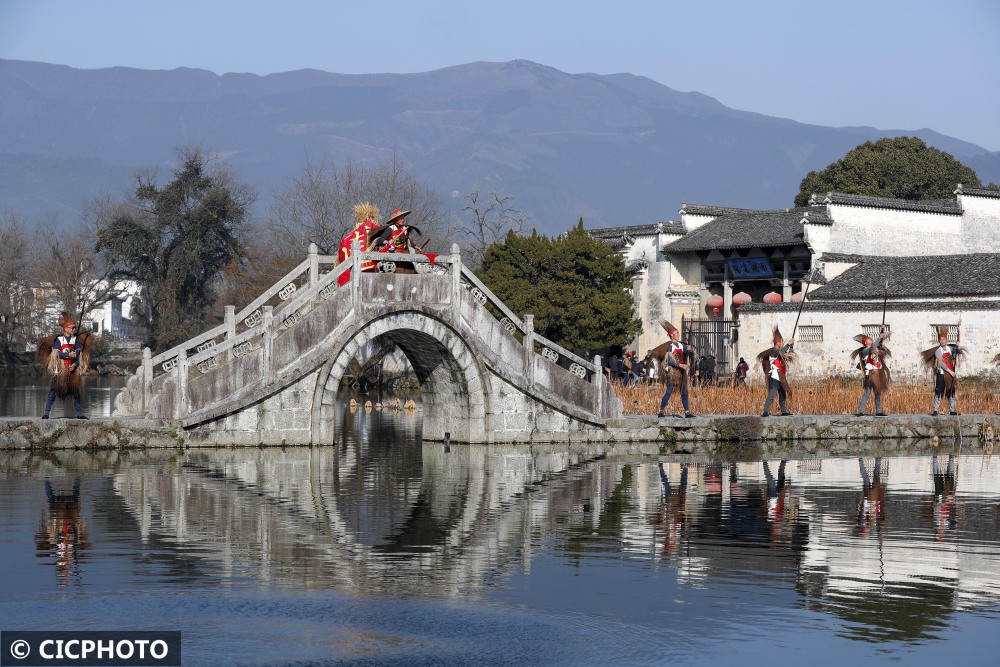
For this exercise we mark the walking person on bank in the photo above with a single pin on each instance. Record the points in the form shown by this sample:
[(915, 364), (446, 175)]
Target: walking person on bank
[(871, 358), (943, 360), (741, 372), (675, 367), (652, 369), (775, 362)]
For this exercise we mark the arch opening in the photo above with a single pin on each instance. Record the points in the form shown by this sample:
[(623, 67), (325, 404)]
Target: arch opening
[(452, 385)]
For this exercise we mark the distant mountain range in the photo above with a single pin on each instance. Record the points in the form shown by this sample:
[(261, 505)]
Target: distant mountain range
[(615, 149)]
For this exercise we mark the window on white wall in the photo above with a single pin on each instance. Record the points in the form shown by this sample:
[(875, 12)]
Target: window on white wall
[(872, 330), (812, 333), (952, 332)]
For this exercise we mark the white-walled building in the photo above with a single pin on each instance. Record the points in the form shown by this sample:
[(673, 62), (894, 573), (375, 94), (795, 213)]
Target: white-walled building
[(111, 320), (731, 274)]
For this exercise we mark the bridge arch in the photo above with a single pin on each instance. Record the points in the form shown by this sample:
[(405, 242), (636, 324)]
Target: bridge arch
[(453, 385), (269, 373)]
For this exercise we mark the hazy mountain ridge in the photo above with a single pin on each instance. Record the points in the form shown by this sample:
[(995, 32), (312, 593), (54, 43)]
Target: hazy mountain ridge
[(617, 149)]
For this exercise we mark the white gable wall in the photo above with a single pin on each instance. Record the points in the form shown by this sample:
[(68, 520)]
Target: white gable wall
[(912, 332), (861, 230)]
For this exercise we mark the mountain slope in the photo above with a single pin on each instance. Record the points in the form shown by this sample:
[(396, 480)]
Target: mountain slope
[(616, 149)]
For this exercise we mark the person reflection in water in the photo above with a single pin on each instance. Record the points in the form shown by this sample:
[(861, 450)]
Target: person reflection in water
[(63, 533), (871, 507), (944, 507), (672, 515), (776, 504)]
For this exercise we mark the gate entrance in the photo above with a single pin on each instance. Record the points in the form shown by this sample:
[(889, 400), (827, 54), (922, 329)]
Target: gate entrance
[(712, 338)]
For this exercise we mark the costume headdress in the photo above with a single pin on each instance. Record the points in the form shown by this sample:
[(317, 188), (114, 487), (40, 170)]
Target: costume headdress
[(776, 335), (668, 326), (365, 211), (942, 332)]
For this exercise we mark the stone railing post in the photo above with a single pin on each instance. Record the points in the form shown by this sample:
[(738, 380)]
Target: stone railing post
[(313, 264), (529, 349), (355, 274), (456, 282), (598, 387), (180, 409), (267, 343), (147, 378), (230, 322)]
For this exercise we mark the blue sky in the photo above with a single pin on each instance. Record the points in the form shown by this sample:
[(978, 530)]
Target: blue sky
[(891, 64)]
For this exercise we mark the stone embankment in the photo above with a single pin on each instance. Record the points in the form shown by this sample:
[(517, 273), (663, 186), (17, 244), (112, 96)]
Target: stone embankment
[(704, 435)]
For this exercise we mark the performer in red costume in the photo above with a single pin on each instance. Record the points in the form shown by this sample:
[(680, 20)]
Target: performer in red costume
[(365, 217)]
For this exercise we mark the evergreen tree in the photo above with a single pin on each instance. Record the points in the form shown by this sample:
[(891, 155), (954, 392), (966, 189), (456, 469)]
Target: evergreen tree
[(575, 286), (174, 241), (897, 168)]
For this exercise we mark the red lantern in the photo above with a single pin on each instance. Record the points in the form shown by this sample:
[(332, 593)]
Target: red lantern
[(797, 297), (715, 311), (740, 298), (715, 301), (772, 297)]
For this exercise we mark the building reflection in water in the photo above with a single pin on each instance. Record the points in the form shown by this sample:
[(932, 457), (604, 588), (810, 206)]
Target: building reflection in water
[(382, 513)]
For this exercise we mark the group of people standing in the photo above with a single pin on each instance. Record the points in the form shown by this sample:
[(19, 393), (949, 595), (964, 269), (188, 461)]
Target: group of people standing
[(631, 371), (677, 360)]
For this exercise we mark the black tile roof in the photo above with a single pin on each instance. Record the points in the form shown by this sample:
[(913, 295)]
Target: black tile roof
[(978, 192), (947, 206), (620, 237), (735, 228), (873, 305), (935, 276), (842, 257), (669, 227)]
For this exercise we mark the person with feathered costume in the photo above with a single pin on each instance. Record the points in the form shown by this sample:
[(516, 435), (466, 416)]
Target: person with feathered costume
[(674, 360), (66, 357), (365, 227), (871, 359), (775, 361), (942, 360)]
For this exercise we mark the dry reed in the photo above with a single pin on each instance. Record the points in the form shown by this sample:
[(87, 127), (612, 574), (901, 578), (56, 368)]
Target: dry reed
[(827, 396)]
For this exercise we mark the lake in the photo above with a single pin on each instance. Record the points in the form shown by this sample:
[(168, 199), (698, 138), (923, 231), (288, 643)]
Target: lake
[(25, 397), (385, 550)]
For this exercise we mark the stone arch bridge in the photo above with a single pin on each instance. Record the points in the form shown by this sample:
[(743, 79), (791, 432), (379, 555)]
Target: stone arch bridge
[(271, 372)]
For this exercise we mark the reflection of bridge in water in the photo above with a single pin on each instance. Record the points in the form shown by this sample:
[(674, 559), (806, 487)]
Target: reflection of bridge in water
[(271, 372), (435, 520), (896, 551)]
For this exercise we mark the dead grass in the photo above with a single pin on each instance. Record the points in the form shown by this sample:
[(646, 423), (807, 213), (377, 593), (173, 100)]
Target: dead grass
[(829, 396)]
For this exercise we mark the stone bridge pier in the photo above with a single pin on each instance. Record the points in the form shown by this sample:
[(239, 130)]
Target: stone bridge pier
[(272, 372)]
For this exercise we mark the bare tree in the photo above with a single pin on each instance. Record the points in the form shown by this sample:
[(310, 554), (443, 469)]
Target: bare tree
[(16, 300), (318, 205), (490, 221), (72, 277)]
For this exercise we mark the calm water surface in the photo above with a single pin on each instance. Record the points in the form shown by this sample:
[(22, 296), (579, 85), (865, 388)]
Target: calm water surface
[(384, 551), (25, 397)]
